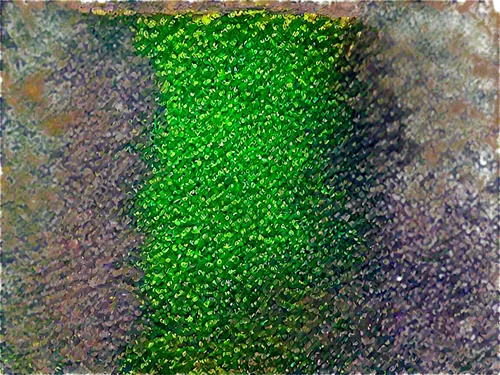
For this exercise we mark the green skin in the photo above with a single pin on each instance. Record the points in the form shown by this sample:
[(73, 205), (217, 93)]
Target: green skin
[(237, 208)]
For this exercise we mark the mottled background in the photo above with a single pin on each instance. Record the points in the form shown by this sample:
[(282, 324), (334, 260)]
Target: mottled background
[(75, 96)]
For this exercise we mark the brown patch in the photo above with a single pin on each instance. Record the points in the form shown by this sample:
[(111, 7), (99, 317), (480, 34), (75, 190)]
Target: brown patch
[(439, 5), (175, 7), (483, 68), (30, 5), (492, 140), (466, 6), (457, 108), (456, 48), (489, 28), (34, 86), (431, 156), (57, 124)]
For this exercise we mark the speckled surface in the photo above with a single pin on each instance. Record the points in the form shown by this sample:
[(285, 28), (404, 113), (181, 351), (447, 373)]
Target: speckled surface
[(426, 300)]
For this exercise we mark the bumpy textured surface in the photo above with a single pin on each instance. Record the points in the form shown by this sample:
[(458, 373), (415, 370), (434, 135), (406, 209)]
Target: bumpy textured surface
[(435, 121), (86, 136), (245, 239), (69, 297)]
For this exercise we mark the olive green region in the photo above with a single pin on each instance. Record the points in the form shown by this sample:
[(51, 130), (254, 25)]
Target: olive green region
[(243, 241)]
